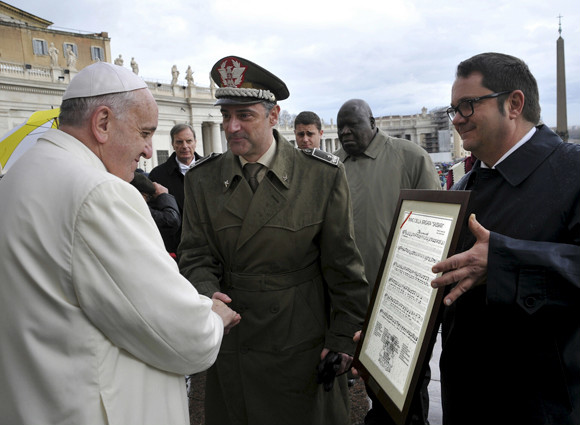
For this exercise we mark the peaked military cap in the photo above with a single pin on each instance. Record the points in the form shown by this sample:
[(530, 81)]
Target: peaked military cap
[(242, 81)]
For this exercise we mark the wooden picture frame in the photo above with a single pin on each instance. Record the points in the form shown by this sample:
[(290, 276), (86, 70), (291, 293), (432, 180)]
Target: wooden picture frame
[(403, 317)]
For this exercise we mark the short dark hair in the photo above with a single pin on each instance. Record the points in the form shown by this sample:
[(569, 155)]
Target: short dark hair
[(307, 118), (180, 127), (503, 72)]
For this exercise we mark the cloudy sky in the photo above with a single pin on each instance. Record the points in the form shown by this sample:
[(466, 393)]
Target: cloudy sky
[(398, 55)]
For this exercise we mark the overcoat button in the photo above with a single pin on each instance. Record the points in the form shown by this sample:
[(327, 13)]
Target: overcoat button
[(274, 308), (530, 302)]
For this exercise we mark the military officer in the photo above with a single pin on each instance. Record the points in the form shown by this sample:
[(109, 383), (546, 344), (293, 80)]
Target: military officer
[(283, 250)]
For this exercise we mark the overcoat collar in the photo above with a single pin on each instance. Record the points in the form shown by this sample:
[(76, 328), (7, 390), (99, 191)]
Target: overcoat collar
[(270, 197), (521, 163), (282, 166), (373, 149), (171, 165)]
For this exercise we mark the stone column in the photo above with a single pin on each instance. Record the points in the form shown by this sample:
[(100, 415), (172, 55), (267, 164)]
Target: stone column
[(199, 137), (216, 137), (207, 140)]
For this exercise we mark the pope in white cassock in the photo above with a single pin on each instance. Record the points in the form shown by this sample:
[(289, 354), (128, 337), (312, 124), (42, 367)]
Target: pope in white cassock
[(97, 326)]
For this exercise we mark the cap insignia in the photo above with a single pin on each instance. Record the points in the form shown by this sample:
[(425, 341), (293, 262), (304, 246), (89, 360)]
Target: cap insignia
[(232, 75)]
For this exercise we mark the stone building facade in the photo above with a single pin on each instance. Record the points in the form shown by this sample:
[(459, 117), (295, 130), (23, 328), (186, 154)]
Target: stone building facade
[(34, 76), (36, 67)]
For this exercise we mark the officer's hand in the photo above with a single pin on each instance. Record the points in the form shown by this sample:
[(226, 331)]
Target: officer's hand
[(332, 364), (468, 269), (222, 297), (345, 361), (229, 316)]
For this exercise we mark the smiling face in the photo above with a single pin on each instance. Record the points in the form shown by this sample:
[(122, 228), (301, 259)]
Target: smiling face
[(307, 136), (248, 129), (131, 136), (356, 127), (184, 145), (484, 132)]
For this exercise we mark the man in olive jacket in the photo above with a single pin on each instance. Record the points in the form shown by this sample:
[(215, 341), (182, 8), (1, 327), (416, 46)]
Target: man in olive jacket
[(285, 254)]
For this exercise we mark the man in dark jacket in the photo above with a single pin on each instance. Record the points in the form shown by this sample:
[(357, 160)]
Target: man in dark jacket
[(162, 205), (511, 331), (170, 173)]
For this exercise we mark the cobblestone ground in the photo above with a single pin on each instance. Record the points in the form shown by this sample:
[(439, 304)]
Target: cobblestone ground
[(196, 396), (358, 397)]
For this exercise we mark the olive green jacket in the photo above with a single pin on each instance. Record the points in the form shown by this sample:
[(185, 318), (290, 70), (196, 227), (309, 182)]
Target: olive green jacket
[(376, 178), (287, 258)]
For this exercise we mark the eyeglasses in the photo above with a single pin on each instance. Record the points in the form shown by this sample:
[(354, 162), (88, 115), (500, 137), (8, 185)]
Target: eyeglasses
[(465, 107)]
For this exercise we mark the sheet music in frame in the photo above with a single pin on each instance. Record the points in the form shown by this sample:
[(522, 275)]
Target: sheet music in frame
[(400, 329)]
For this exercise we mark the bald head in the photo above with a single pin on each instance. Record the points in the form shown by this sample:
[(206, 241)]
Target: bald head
[(356, 126), (357, 104)]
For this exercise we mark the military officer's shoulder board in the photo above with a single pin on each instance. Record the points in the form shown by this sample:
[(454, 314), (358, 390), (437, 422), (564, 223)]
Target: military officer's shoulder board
[(322, 156), (206, 159)]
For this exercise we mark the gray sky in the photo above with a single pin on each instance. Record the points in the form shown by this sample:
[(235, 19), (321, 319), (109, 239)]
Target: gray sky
[(398, 55)]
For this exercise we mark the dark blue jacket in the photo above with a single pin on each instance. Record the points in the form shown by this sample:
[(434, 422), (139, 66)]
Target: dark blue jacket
[(511, 348), (169, 175)]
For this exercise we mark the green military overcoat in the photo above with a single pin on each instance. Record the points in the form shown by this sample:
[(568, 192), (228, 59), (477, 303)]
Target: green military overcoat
[(286, 256)]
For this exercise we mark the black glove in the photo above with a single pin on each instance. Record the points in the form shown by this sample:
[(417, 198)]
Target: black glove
[(327, 368)]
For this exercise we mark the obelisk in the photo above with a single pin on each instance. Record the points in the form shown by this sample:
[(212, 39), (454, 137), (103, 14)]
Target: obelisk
[(562, 114)]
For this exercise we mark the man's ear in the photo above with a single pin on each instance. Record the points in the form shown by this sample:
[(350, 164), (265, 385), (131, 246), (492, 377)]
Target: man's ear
[(372, 123), (274, 114), (101, 124), (515, 103)]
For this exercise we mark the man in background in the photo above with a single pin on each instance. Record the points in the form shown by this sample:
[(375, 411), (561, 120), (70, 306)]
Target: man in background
[(96, 323), (170, 173), (308, 130), (377, 168)]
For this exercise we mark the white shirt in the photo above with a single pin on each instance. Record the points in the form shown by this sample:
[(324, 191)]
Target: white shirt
[(184, 167), (523, 140)]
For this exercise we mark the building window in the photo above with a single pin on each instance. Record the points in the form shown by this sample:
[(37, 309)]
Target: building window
[(97, 54), (162, 156), (72, 46), (39, 47)]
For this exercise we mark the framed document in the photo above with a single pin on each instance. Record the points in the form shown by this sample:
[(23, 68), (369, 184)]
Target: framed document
[(403, 317)]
